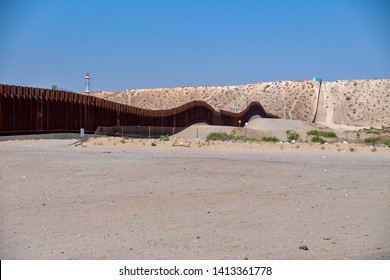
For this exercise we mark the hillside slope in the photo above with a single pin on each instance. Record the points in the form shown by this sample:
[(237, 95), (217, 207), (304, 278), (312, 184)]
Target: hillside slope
[(352, 103)]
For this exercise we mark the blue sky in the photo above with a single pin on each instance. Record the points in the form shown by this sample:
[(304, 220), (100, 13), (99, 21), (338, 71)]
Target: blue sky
[(150, 43)]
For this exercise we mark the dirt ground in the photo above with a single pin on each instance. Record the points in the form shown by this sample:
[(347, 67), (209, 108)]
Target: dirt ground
[(132, 200)]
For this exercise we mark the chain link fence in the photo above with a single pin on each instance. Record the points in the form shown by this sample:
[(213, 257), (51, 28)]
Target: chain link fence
[(151, 132)]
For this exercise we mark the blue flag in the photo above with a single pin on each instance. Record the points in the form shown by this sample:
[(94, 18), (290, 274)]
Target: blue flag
[(318, 79)]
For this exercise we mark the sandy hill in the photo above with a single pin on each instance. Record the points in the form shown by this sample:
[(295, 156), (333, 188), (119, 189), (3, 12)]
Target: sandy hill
[(349, 103)]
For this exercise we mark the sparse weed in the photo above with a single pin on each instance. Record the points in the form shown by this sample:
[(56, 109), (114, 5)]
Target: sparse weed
[(371, 140), (317, 139), (164, 137), (326, 134), (270, 139), (223, 136)]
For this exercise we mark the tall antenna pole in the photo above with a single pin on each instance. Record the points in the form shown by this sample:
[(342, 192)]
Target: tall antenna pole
[(87, 83)]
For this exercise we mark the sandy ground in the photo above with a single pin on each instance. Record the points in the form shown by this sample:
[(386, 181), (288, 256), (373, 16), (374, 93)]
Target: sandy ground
[(347, 104), (113, 200)]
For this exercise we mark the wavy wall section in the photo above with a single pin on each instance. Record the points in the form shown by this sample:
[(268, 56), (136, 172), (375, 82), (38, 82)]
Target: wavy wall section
[(27, 110)]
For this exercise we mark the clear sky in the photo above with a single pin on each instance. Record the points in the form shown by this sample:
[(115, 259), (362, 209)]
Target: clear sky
[(150, 43)]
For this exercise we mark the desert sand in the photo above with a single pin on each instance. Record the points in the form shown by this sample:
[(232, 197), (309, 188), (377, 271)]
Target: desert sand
[(185, 199)]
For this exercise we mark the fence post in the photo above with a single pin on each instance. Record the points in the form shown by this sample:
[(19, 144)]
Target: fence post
[(149, 132)]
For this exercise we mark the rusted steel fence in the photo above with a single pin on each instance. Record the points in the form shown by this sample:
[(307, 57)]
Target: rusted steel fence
[(26, 110)]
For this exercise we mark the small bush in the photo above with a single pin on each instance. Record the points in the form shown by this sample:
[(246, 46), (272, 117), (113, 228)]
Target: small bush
[(317, 139), (371, 140), (348, 98), (154, 144), (164, 137), (222, 136), (326, 134), (377, 140), (371, 131), (351, 149), (292, 135), (123, 140), (270, 139)]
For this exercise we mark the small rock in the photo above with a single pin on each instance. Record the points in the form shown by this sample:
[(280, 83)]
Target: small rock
[(303, 247)]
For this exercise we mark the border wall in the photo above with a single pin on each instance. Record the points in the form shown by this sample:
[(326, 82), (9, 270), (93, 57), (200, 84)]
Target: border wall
[(27, 110)]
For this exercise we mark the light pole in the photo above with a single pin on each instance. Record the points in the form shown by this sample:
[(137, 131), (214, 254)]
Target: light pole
[(87, 84)]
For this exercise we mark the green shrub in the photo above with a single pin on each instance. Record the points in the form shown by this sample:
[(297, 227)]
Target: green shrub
[(222, 136), (164, 137), (377, 140), (270, 139), (292, 135), (317, 139), (371, 140), (326, 134), (371, 131)]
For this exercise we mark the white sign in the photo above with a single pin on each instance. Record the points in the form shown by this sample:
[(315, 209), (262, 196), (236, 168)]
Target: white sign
[(82, 132)]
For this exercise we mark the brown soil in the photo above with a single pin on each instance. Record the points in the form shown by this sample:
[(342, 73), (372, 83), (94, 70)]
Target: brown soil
[(132, 200)]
